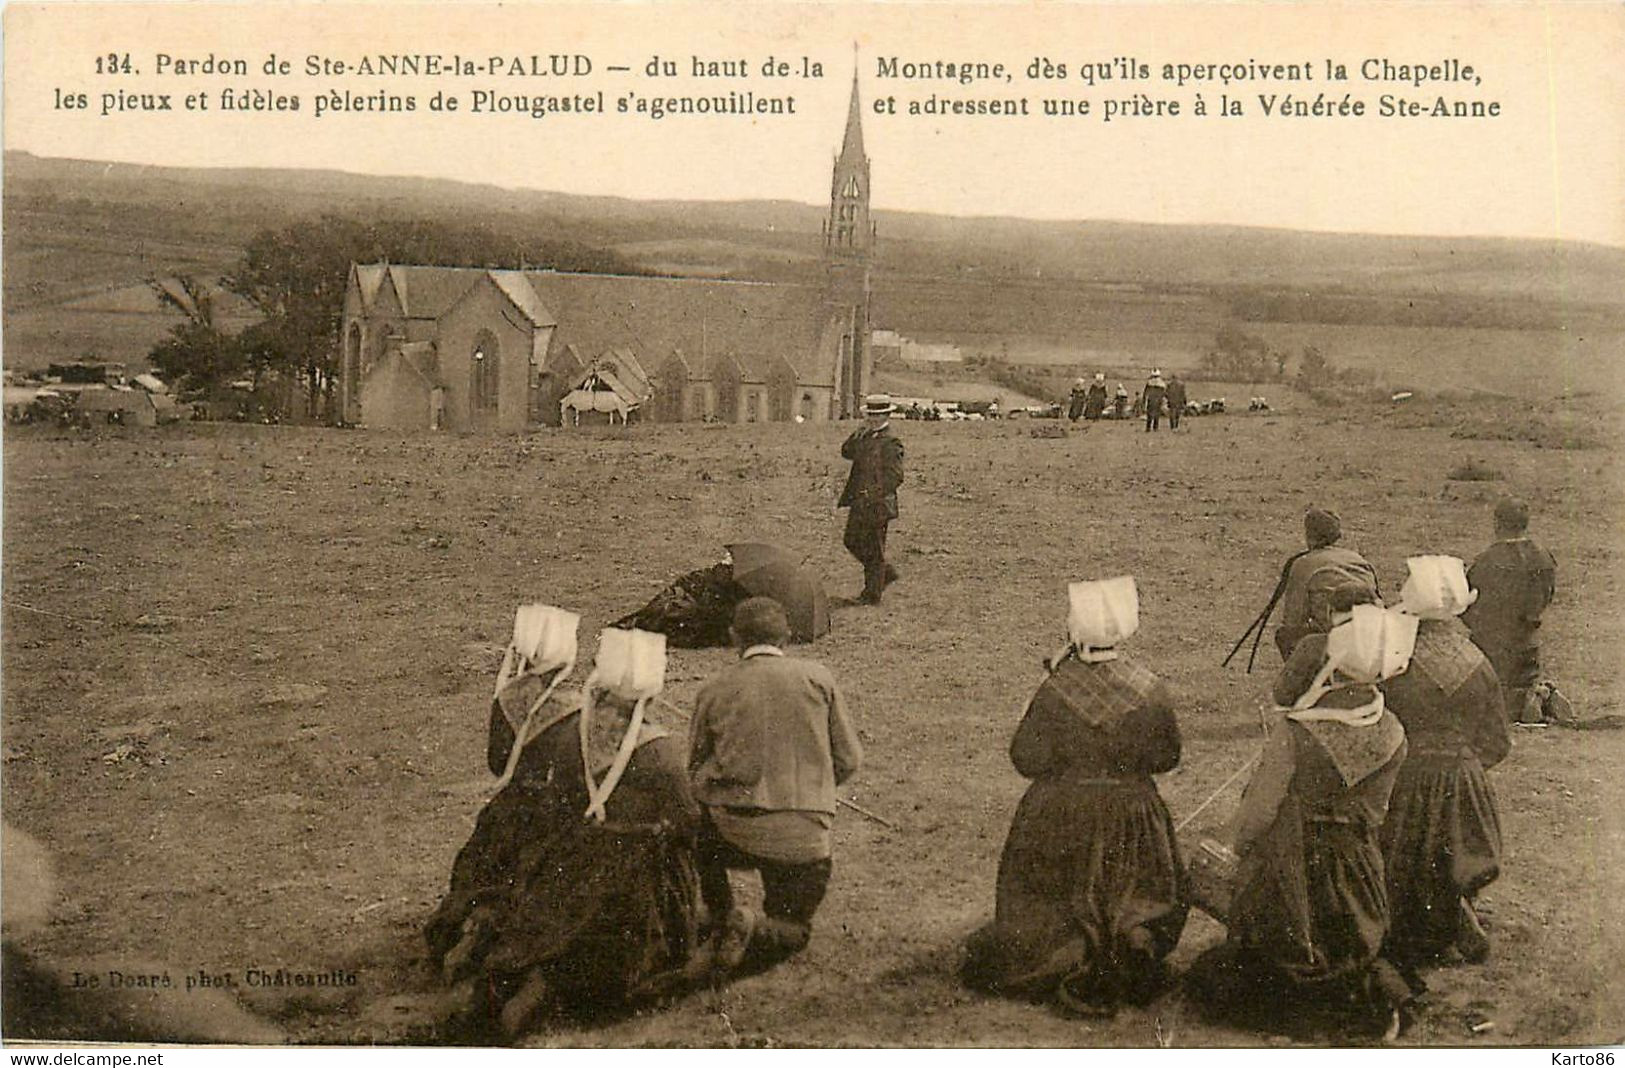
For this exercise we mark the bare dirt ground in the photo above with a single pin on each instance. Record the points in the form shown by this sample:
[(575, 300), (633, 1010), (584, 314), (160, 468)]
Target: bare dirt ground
[(246, 672)]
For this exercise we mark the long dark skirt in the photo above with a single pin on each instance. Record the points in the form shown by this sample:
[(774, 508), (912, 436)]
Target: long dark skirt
[(599, 909), (1306, 929), (1441, 842), (1090, 895)]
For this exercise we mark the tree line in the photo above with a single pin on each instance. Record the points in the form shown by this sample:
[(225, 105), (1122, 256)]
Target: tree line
[(1240, 356), (295, 277)]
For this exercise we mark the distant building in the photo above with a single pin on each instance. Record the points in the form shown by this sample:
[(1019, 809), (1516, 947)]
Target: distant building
[(918, 353), (463, 348), (887, 346)]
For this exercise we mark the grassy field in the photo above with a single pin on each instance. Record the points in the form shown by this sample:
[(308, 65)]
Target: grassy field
[(246, 668)]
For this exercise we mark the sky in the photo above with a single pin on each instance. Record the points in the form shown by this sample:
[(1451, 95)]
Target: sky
[(1551, 165)]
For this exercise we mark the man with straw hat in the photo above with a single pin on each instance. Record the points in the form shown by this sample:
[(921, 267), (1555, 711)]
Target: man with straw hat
[(871, 493), (769, 742), (1442, 838), (1089, 899)]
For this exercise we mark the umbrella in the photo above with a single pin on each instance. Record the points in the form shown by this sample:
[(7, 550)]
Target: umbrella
[(769, 571)]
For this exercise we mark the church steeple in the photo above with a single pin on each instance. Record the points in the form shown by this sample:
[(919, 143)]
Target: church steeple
[(848, 245), (848, 230), (852, 143)]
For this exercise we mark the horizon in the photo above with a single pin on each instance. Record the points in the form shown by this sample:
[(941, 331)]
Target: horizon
[(1550, 167), (1615, 246)]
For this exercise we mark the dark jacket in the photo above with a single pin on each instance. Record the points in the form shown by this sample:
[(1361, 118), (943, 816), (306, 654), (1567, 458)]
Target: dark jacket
[(877, 471), (1176, 395), (1515, 580)]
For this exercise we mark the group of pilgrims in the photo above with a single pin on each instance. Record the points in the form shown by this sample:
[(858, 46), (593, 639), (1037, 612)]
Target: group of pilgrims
[(1159, 396), (596, 879)]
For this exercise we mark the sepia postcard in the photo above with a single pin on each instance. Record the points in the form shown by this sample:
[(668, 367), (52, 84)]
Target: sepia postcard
[(644, 524)]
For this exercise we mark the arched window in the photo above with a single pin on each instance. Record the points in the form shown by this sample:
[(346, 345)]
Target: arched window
[(484, 390)]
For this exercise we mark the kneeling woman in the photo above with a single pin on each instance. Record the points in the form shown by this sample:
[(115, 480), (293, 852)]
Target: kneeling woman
[(578, 885), (1442, 839), (1310, 909), (1089, 897)]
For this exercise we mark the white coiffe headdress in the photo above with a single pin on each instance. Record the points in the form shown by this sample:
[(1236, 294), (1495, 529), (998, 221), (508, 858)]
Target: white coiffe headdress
[(1101, 614), (1373, 644), (544, 640), (1436, 587), (631, 665)]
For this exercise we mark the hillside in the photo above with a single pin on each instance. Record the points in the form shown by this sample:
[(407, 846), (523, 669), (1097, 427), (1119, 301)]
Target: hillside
[(77, 231)]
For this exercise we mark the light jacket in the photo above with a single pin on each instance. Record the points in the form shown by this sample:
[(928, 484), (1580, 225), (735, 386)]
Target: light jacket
[(772, 733)]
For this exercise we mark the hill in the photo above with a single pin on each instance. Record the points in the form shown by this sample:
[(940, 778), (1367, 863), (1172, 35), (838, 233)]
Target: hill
[(78, 230)]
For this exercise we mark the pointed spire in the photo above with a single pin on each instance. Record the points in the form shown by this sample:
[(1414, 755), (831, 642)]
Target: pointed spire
[(852, 144)]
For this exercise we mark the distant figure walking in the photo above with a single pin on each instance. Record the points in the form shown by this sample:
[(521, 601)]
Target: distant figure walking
[(1155, 391), (871, 494), (1094, 405), (1176, 400), (1120, 401)]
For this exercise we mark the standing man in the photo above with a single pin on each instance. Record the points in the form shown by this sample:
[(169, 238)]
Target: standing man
[(1515, 579), (1176, 400), (871, 494), (1155, 390), (769, 742), (1120, 401)]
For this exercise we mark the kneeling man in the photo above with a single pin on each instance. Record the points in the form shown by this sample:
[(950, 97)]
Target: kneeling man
[(769, 742)]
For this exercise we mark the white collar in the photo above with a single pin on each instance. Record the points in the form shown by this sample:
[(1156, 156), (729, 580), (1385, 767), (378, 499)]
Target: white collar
[(761, 650)]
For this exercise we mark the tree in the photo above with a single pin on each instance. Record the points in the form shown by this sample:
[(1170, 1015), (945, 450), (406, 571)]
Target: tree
[(196, 353), (295, 278), (1237, 354)]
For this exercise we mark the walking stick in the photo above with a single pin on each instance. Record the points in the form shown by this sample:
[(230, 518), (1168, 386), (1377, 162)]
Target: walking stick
[(1255, 630), (865, 813), (1214, 796)]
